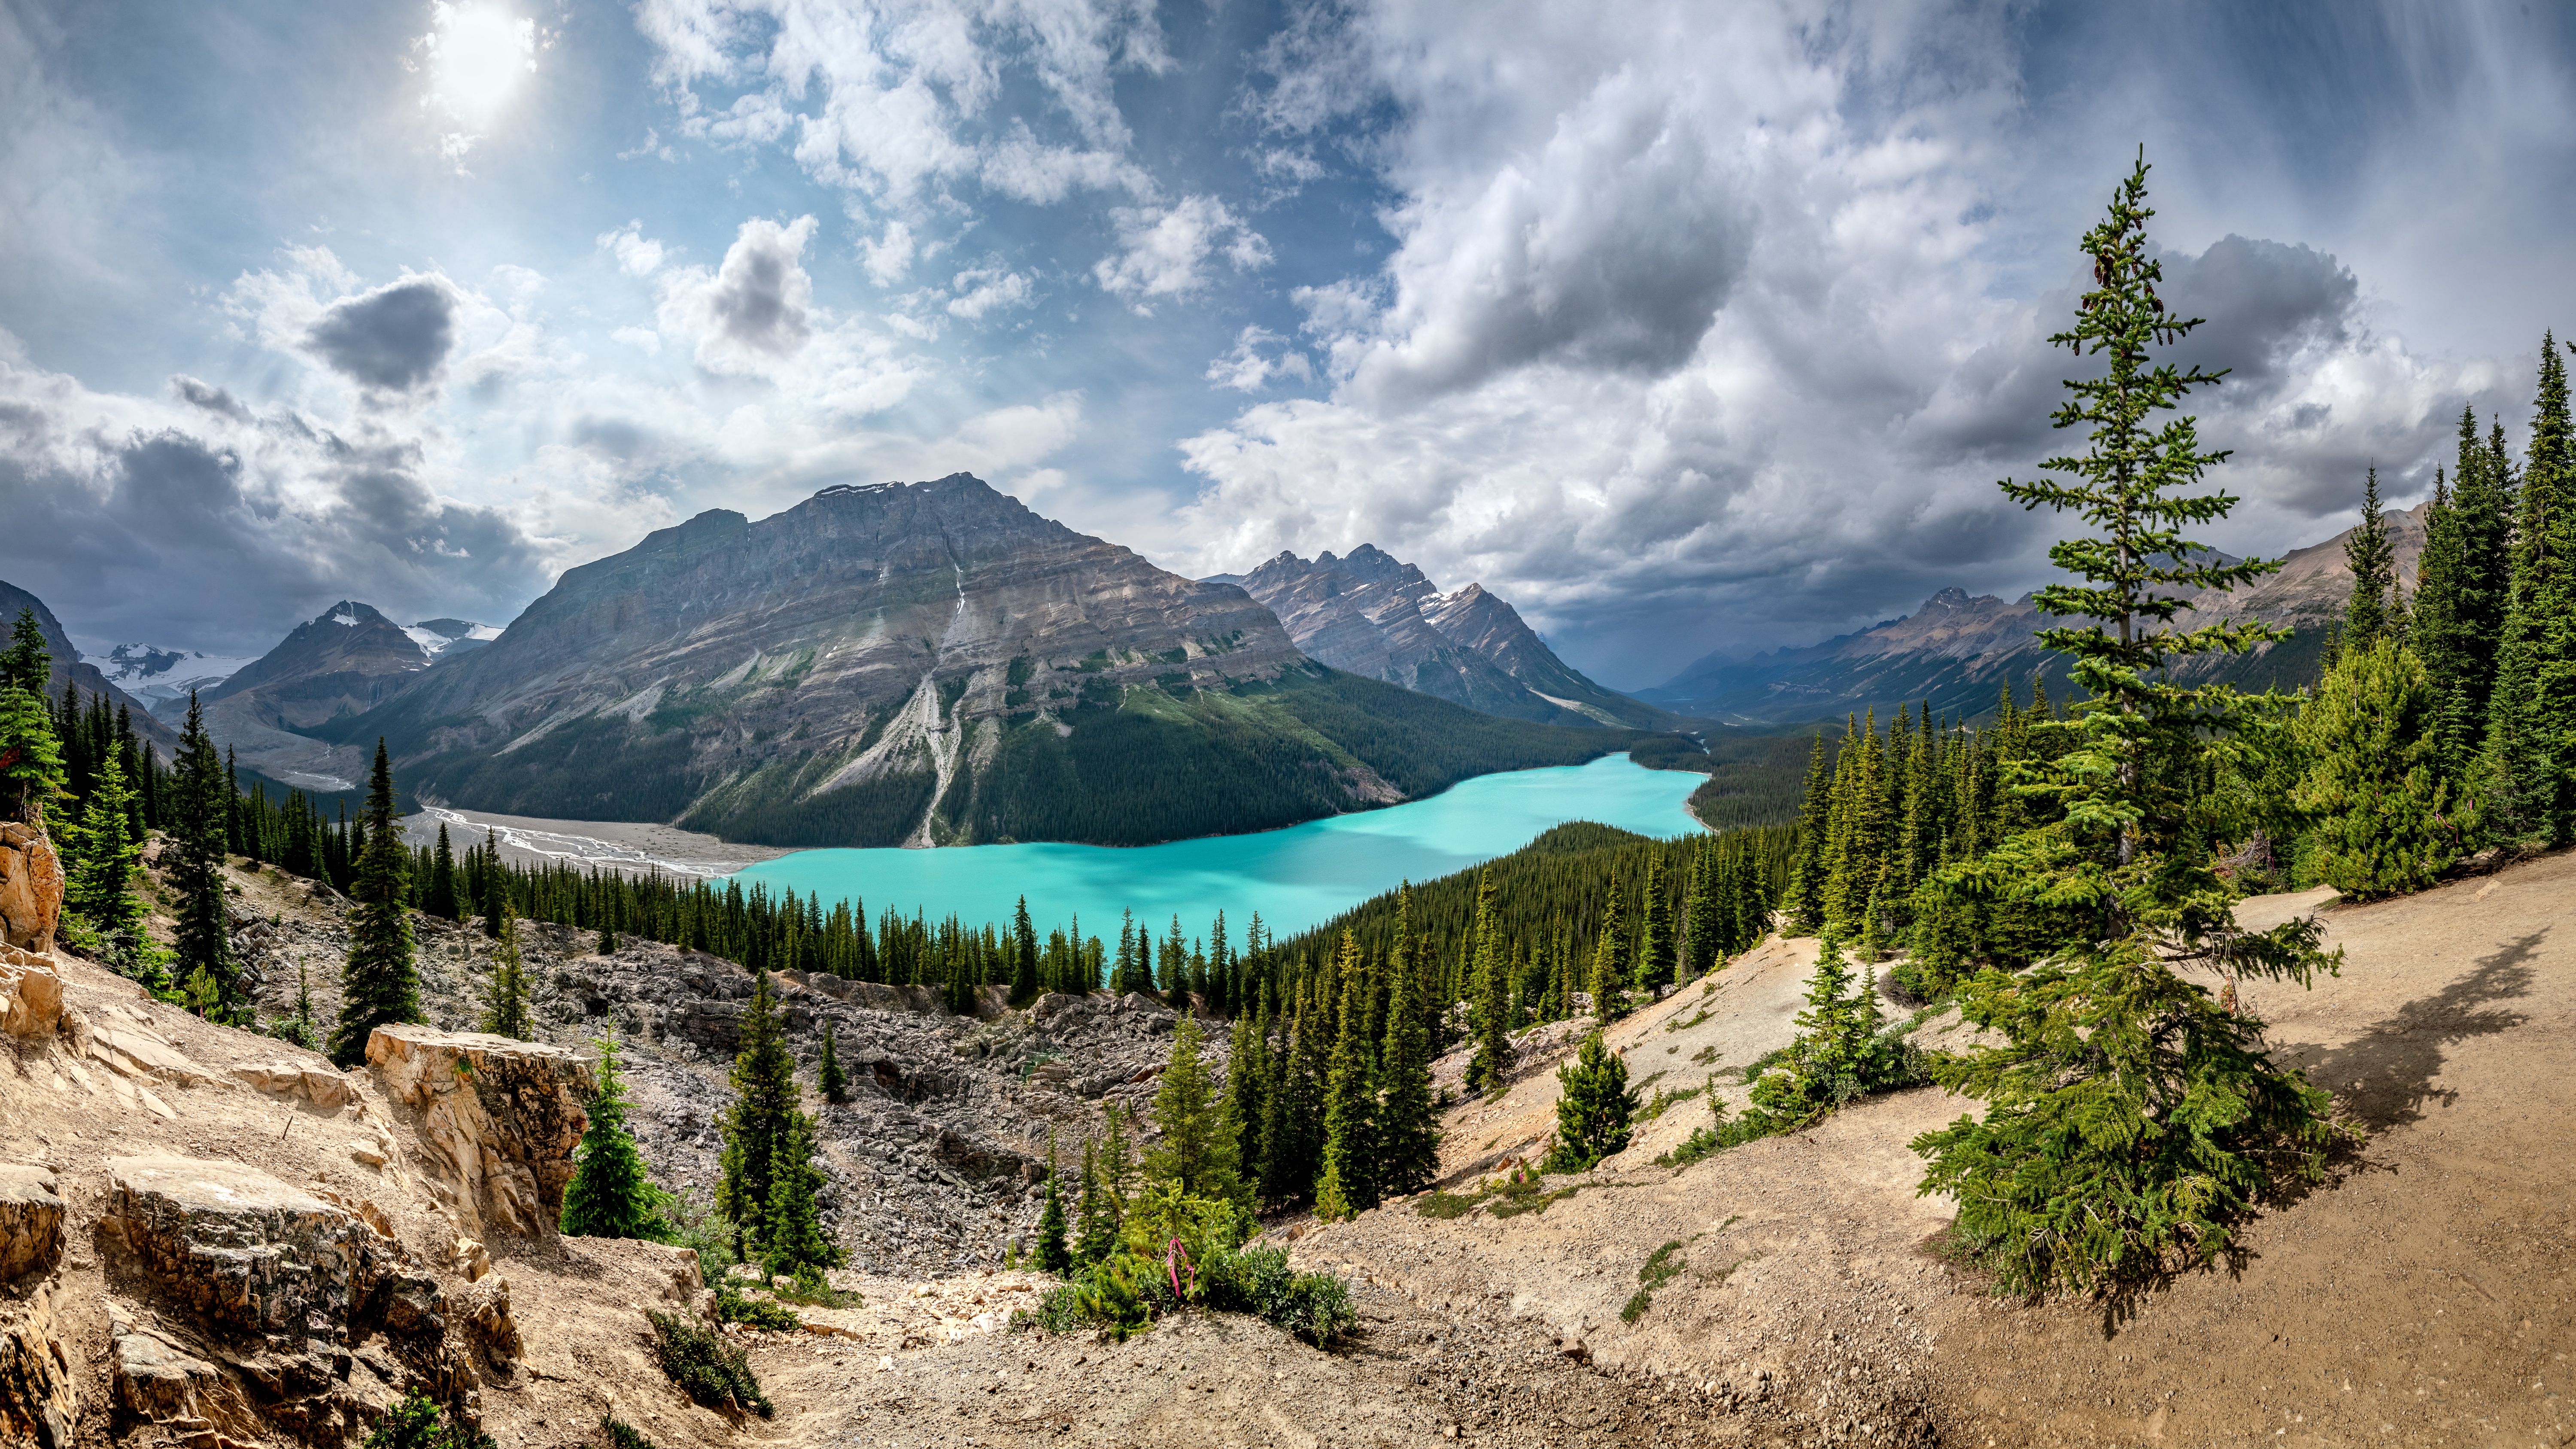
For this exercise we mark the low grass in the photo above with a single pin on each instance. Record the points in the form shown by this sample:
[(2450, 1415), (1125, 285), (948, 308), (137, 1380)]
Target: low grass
[(1665, 1265)]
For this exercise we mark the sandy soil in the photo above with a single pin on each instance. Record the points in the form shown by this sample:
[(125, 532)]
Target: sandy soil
[(607, 844)]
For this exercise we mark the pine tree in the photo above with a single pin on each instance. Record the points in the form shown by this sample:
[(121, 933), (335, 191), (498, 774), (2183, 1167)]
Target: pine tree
[(610, 1195), (2522, 782), (27, 665), (1346, 1187), (31, 757), (1408, 1120), (1247, 1069), (828, 1076), (1652, 967), (1053, 1256), (2461, 585), (1197, 1150), (1099, 1216), (495, 901), (106, 854), (1610, 954), (1490, 1070), (1804, 899), (505, 996), (204, 937), (2374, 784), (379, 984), (1593, 1107), (440, 900), (2373, 560), (1117, 1165), (758, 1124), (2131, 1119), (1024, 956), (793, 1242)]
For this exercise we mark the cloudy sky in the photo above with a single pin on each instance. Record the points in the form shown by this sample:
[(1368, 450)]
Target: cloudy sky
[(1685, 326)]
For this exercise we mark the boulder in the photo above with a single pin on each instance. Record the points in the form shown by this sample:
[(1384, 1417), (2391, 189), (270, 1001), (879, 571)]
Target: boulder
[(31, 996), (498, 1121), (160, 1382), (315, 1084), (31, 888), (139, 1052), (40, 1375), (485, 1309), (245, 1251), (31, 1221)]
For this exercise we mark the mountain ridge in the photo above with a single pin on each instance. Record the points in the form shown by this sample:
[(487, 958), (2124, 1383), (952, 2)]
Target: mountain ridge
[(1371, 614), (918, 663), (1959, 649)]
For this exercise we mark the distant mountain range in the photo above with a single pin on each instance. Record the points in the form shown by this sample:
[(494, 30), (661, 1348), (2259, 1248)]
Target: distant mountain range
[(1374, 615), (1958, 650), (69, 667), (923, 663)]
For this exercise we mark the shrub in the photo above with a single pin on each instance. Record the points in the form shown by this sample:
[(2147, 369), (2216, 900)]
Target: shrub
[(735, 1306), (705, 1367), (620, 1434), (1179, 1251), (1593, 1108), (418, 1423)]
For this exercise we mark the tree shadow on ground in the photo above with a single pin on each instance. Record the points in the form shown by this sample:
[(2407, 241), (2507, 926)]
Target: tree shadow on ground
[(2384, 1076)]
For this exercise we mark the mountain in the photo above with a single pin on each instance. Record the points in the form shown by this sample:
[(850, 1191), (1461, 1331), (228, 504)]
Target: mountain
[(343, 662), (1957, 650), (922, 663), (154, 674), (69, 666), (1371, 614), (451, 636)]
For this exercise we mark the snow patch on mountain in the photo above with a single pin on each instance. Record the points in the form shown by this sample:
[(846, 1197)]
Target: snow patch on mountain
[(153, 673)]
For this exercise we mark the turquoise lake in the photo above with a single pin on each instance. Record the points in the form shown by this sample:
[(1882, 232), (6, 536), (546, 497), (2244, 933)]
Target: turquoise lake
[(1298, 877)]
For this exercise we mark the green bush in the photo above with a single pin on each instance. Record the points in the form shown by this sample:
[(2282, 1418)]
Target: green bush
[(417, 1423), (622, 1435), (735, 1306), (1188, 1252), (705, 1367)]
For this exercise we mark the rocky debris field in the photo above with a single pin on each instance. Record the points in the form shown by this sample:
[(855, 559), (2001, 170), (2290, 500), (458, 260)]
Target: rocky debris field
[(931, 1163)]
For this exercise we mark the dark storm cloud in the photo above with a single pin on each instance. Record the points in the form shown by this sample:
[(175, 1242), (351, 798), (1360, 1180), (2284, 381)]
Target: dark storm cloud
[(206, 395), (158, 532), (392, 339)]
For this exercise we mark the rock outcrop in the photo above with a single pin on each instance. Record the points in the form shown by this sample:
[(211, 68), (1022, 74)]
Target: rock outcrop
[(498, 1120), (31, 888), (31, 1221), (31, 996), (40, 1373), (246, 1252)]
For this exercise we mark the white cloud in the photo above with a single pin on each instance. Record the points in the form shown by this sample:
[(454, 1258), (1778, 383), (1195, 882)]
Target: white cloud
[(477, 56), (636, 256), (642, 339), (749, 316), (1167, 249), (889, 257), (1247, 369), (988, 289)]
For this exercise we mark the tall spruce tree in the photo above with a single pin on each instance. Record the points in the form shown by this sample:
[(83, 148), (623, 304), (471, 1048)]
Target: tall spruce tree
[(1346, 1185), (1490, 1070), (757, 1127), (1804, 898), (1098, 1219), (1408, 1120), (828, 1076), (2524, 773), (2461, 588), (31, 753), (1053, 1255), (440, 898), (611, 1195), (2374, 784), (1024, 955), (505, 994), (2373, 561), (793, 1241), (493, 900), (1197, 1150), (1608, 981), (106, 853), (2131, 1120), (380, 981), (198, 829)]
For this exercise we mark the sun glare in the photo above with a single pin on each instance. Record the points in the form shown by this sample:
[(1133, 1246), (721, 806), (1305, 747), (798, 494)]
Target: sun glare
[(478, 55)]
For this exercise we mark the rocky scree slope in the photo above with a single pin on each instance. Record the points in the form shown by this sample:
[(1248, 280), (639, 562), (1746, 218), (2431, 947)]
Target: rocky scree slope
[(1957, 650), (925, 663), (1374, 615)]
